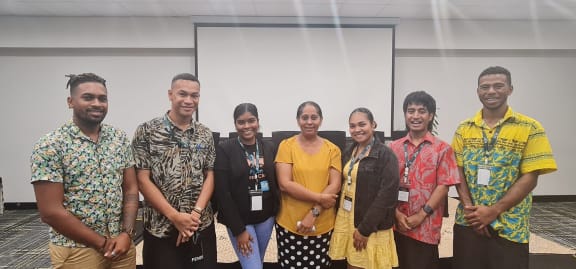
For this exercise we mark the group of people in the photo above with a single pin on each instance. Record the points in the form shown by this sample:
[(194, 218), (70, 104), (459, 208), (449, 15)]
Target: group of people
[(374, 205)]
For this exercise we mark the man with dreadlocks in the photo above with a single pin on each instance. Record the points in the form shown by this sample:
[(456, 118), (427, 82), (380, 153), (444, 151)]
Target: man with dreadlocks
[(85, 184)]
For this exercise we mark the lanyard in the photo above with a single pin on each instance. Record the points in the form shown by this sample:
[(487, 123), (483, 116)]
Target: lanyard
[(354, 160), (254, 161), (489, 147), (410, 161), (170, 128)]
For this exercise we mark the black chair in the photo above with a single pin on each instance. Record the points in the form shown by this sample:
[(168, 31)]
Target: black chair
[(399, 134), (380, 135), (216, 136), (336, 137), (278, 136), (235, 134)]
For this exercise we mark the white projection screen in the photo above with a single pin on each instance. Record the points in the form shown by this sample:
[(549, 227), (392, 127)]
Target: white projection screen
[(277, 67)]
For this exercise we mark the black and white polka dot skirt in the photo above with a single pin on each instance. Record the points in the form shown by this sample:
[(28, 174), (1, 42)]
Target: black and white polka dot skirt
[(302, 252)]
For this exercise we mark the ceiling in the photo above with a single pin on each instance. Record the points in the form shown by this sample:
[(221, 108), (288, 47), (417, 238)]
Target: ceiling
[(404, 9)]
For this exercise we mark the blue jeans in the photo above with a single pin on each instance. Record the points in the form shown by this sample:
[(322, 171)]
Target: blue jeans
[(261, 234)]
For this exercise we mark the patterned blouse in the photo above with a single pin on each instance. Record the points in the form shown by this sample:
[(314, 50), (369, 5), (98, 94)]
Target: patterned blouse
[(177, 160), (91, 172)]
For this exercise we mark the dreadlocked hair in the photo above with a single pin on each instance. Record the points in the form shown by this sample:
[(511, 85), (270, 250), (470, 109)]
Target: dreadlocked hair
[(75, 80)]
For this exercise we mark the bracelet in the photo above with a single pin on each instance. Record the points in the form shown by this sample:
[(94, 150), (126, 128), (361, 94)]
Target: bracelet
[(197, 210), (129, 232), (104, 245)]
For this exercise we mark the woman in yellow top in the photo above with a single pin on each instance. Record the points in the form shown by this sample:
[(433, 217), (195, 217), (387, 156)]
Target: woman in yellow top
[(363, 231), (308, 171)]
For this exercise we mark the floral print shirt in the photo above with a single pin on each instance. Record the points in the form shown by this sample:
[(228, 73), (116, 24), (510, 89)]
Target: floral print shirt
[(177, 160), (521, 147), (434, 165), (91, 174)]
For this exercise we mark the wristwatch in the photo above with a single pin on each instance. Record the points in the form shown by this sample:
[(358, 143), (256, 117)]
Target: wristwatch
[(315, 212), (428, 210)]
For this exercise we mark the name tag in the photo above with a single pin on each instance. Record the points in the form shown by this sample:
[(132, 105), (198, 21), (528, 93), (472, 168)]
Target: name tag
[(403, 195), (256, 200), (347, 205), (484, 175)]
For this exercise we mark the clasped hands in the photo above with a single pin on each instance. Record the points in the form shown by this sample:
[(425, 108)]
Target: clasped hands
[(479, 217), (306, 225), (186, 224), (405, 223), (116, 247)]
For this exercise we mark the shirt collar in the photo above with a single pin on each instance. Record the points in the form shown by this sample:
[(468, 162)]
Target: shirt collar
[(75, 131), (169, 124), (427, 138), (478, 121)]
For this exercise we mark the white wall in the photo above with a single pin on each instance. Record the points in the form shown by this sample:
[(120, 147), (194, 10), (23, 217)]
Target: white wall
[(138, 56), (96, 32), (446, 58)]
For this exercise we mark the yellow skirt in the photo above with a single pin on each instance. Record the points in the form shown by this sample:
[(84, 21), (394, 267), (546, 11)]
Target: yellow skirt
[(380, 251)]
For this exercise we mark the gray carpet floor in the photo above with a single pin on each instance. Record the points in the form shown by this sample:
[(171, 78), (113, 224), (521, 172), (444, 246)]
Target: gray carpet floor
[(24, 238)]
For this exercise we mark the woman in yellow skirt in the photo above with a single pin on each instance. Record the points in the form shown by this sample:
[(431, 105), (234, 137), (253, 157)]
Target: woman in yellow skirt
[(363, 232)]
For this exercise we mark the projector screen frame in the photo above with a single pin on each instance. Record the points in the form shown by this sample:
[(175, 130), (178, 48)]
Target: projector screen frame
[(310, 22)]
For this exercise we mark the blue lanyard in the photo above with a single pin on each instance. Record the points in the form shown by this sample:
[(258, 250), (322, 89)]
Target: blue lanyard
[(489, 147), (410, 161), (354, 160), (254, 161)]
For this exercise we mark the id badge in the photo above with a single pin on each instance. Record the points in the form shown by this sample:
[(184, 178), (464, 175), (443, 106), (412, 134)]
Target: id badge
[(256, 200), (484, 175), (347, 205), (403, 194), (264, 185)]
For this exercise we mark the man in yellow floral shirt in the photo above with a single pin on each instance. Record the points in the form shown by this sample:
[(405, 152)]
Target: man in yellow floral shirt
[(85, 184), (500, 153)]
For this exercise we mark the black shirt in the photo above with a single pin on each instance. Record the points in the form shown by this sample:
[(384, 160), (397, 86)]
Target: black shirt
[(231, 171)]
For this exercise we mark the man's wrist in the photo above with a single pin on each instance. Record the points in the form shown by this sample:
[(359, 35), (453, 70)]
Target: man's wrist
[(499, 210), (103, 245), (198, 210), (130, 232), (428, 210)]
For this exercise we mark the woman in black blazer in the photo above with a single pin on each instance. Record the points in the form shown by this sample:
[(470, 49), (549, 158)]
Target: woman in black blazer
[(246, 188)]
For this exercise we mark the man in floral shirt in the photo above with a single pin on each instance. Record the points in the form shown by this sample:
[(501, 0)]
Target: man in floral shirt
[(175, 159), (85, 184), (427, 169)]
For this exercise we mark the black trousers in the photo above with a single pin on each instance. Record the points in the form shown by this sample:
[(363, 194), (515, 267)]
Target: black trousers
[(474, 251), (161, 253), (413, 254)]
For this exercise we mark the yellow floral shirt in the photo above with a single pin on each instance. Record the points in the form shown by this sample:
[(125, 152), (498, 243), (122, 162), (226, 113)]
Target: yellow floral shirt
[(521, 147)]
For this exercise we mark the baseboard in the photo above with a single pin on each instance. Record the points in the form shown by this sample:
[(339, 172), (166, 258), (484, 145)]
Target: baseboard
[(30, 205), (554, 198), (548, 198), (20, 205)]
